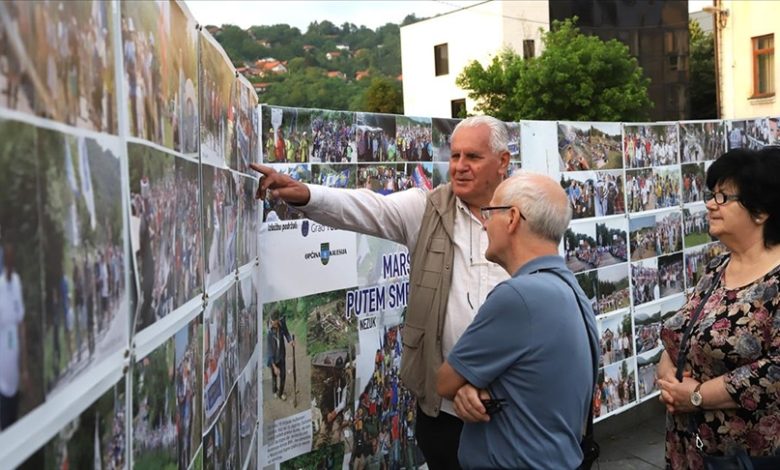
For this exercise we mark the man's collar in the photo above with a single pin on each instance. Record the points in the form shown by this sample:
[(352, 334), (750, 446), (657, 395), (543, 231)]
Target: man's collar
[(542, 262)]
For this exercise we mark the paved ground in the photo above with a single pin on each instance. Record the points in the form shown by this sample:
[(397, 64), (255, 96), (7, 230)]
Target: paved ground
[(633, 440)]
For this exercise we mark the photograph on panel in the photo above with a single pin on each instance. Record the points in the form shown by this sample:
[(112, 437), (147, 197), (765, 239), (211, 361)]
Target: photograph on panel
[(275, 209), (246, 126), (513, 129), (671, 277), (441, 136), (696, 261), (248, 290), (286, 134), (646, 145), (647, 327), (333, 137), (696, 225), (384, 179), (413, 139), (375, 138), (155, 409), (666, 184), (220, 443), (217, 91), (21, 271), (328, 457), (95, 439), (640, 190), (381, 261), (616, 388), (286, 371), (86, 315), (644, 281), (753, 133), (587, 146), (247, 407), (165, 232), (647, 368), (589, 245), (616, 337), (421, 175), (248, 231), (335, 175), (188, 343), (655, 234), (693, 182), (220, 215), (159, 47), (589, 283), (594, 193), (58, 62), (441, 174), (702, 140), (219, 361), (612, 292)]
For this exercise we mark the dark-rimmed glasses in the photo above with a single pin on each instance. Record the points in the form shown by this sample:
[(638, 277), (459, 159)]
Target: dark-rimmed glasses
[(485, 211), (720, 197)]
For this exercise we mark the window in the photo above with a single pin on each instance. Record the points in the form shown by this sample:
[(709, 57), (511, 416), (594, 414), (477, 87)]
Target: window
[(764, 66), (458, 108), (529, 50), (441, 59)]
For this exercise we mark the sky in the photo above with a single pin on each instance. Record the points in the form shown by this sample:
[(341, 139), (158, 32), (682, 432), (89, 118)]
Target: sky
[(299, 13)]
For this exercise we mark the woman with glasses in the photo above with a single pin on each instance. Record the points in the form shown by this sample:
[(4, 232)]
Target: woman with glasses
[(729, 347)]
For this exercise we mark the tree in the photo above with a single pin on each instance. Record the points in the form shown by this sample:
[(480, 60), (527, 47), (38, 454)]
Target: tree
[(702, 66), (577, 77), (383, 95)]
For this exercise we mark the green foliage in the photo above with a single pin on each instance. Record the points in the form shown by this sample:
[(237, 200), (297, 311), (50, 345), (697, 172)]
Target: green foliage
[(383, 95), (702, 67), (576, 78)]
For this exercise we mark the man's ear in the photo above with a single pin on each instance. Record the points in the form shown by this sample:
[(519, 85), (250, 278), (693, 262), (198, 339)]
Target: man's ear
[(504, 168)]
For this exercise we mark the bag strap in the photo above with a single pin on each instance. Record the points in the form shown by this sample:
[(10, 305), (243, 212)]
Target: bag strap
[(682, 353), (589, 423)]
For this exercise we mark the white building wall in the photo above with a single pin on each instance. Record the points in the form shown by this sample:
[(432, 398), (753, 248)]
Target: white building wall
[(747, 19), (474, 33)]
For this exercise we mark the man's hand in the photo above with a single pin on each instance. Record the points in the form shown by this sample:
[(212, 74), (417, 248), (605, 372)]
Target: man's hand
[(468, 404), (275, 369), (280, 185)]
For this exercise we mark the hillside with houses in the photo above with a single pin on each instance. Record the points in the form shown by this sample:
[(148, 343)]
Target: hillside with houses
[(345, 67)]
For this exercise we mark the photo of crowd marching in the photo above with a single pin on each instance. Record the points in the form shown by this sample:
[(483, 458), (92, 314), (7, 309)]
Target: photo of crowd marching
[(589, 245), (247, 126), (85, 308), (286, 134), (165, 231), (594, 194), (57, 62), (275, 209), (159, 47), (220, 216), (644, 281), (218, 100), (670, 274), (333, 137), (248, 220), (753, 133), (375, 137), (247, 318), (607, 288), (247, 407), (655, 234), (701, 141), (650, 145), (589, 146), (441, 135), (383, 426), (697, 259), (384, 179), (647, 368), (615, 388), (220, 357), (413, 139), (696, 225), (653, 188), (514, 130), (334, 175), (693, 182), (220, 443), (616, 338)]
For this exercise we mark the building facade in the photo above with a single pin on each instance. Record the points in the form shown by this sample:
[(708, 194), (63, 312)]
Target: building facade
[(656, 33)]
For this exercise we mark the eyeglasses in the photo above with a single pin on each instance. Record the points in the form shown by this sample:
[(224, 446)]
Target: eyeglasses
[(720, 197), (485, 211)]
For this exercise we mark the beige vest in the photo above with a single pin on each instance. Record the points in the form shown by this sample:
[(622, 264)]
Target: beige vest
[(430, 280)]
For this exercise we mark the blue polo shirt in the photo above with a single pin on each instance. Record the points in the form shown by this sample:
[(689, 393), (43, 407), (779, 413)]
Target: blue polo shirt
[(529, 345)]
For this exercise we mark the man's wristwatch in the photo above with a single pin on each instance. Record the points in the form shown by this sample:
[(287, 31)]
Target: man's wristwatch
[(696, 398)]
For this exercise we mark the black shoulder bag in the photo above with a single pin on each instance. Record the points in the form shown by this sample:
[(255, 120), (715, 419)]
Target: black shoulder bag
[(590, 448), (738, 458)]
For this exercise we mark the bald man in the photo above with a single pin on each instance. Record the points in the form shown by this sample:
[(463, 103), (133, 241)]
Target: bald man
[(531, 347)]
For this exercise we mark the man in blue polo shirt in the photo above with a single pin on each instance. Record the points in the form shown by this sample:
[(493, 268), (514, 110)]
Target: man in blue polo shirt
[(529, 343)]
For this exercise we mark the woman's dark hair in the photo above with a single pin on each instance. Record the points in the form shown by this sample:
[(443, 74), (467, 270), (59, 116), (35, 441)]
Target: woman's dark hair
[(756, 175)]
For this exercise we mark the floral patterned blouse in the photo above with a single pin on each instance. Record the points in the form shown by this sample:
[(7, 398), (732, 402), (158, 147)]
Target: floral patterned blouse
[(737, 336)]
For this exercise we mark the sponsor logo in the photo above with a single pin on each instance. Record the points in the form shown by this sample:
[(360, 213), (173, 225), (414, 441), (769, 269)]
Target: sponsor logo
[(324, 253), (305, 228)]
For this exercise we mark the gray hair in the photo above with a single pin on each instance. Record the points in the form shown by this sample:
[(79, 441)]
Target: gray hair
[(544, 206), (499, 135)]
